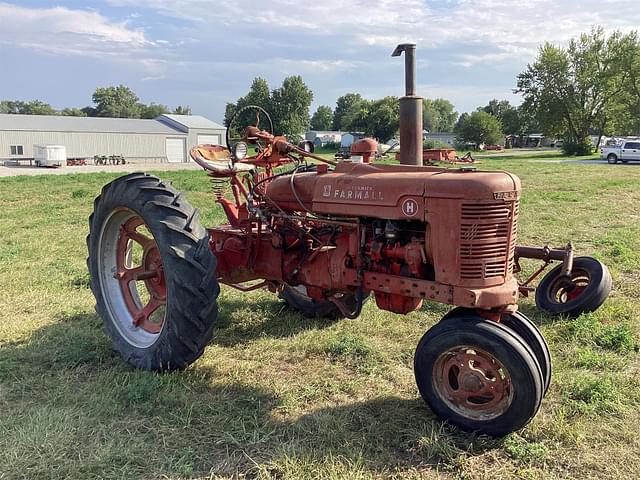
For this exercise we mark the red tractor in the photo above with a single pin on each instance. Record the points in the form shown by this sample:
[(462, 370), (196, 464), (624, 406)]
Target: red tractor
[(327, 237)]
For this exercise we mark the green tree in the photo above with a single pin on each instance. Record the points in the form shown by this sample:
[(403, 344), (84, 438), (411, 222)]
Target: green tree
[(506, 113), (73, 112), (153, 110), (344, 105), (290, 107), (625, 113), (116, 102), (36, 107), (182, 110), (479, 127), (322, 118), (258, 95), (439, 115), (356, 117), (33, 107), (571, 92), (383, 119)]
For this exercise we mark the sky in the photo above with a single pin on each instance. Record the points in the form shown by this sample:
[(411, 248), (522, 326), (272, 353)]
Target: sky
[(205, 53)]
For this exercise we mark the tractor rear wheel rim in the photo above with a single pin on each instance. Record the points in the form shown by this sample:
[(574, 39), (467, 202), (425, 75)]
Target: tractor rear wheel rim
[(564, 290), (472, 383), (132, 278)]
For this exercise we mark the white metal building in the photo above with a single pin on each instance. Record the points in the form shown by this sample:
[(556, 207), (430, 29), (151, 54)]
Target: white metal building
[(166, 138), (448, 138), (319, 138)]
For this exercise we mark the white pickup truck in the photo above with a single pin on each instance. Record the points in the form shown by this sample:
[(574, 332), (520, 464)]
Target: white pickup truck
[(622, 152)]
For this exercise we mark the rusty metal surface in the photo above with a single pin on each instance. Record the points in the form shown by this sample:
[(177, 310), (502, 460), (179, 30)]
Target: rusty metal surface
[(404, 232), (410, 109), (473, 383)]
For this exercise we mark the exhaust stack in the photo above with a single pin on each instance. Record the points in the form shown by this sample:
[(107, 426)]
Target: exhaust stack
[(410, 109)]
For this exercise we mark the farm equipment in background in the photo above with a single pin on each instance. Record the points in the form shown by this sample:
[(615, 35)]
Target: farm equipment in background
[(432, 156), (76, 162), (109, 160), (327, 236)]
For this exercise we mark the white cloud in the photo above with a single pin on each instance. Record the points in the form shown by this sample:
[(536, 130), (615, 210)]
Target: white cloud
[(468, 50), (521, 25), (60, 30)]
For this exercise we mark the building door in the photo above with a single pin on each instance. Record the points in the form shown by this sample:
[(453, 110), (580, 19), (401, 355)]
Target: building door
[(209, 139), (176, 149)]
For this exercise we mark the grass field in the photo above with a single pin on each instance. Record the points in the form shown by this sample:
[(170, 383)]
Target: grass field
[(278, 396)]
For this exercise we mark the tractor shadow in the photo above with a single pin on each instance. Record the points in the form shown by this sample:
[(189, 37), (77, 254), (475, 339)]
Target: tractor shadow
[(218, 424), (264, 317)]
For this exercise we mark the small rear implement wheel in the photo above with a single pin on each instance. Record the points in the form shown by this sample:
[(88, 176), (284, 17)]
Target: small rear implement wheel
[(586, 288), (152, 273), (478, 375)]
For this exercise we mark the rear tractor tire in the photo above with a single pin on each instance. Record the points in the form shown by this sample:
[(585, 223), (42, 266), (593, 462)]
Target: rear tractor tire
[(586, 289), (152, 273), (478, 375)]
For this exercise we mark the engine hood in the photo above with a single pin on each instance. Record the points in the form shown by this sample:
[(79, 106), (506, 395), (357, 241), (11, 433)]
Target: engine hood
[(389, 191)]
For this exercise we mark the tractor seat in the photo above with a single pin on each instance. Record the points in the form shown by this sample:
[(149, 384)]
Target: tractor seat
[(217, 159)]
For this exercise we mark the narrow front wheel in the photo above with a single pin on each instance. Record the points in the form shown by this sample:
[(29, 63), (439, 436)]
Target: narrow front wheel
[(478, 375)]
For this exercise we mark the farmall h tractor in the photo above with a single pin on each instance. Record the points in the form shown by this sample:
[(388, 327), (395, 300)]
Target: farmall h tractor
[(329, 236)]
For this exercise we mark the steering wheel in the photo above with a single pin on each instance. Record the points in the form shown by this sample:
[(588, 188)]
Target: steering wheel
[(242, 114)]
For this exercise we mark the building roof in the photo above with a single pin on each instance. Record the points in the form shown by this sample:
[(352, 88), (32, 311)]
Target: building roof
[(192, 121), (60, 123), (326, 132)]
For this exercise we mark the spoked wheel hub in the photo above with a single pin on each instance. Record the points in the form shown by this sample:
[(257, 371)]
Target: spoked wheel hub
[(149, 272), (567, 289), (133, 280), (472, 382)]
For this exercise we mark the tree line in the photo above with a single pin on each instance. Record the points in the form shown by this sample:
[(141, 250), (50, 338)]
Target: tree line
[(115, 101), (591, 87), (380, 118), (289, 108)]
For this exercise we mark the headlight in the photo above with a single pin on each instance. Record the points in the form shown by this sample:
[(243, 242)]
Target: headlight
[(307, 146), (239, 151)]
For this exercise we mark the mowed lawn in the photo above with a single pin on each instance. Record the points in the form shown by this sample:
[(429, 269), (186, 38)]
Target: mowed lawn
[(279, 396)]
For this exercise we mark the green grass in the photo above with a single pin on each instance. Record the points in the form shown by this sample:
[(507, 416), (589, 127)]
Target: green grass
[(278, 396)]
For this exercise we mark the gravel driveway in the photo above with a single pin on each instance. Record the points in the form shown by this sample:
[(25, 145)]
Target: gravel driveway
[(12, 171)]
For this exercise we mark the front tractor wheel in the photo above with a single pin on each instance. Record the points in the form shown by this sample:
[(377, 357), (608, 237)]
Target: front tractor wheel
[(528, 332), (152, 273), (583, 291), (478, 375)]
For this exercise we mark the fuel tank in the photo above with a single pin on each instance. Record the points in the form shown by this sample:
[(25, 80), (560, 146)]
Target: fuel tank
[(388, 191)]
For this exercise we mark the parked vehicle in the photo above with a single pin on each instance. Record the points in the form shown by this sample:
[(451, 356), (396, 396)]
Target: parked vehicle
[(622, 152), (49, 155)]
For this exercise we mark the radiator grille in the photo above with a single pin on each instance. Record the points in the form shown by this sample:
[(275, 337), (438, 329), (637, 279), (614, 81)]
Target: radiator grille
[(487, 239)]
